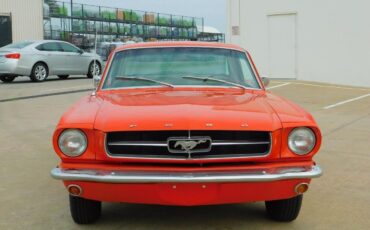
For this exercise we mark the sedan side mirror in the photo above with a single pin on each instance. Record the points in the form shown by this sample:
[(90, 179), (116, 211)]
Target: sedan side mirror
[(96, 80), (265, 81), (80, 51)]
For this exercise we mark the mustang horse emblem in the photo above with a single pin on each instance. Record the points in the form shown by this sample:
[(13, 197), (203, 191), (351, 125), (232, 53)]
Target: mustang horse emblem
[(188, 145)]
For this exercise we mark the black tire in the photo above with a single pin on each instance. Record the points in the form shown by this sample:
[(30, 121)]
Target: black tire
[(63, 76), (7, 79), (39, 72), (284, 210), (84, 211), (90, 73)]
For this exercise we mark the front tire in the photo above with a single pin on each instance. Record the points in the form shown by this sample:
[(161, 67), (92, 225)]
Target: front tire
[(97, 68), (39, 72), (284, 210), (63, 76), (84, 211), (7, 79)]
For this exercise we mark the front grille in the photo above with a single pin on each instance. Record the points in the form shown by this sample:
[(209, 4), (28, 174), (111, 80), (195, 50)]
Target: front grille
[(188, 144)]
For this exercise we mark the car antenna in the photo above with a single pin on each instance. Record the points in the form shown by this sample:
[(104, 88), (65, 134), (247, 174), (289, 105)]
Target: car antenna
[(94, 71)]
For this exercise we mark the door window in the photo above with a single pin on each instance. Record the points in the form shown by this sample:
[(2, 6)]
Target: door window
[(69, 48), (51, 46)]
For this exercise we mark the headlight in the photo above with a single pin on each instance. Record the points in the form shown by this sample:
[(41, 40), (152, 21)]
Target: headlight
[(301, 141), (72, 142)]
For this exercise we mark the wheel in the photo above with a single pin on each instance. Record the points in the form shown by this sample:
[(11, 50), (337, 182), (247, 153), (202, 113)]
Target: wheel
[(92, 70), (7, 79), (39, 72), (84, 211), (63, 76), (284, 210)]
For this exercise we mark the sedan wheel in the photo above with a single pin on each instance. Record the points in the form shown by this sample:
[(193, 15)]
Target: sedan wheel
[(39, 72), (7, 79), (94, 69)]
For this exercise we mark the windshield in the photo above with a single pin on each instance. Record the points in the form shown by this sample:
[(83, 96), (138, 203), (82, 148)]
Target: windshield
[(181, 66), (17, 45)]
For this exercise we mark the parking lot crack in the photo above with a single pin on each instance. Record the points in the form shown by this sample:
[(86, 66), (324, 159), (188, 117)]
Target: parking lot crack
[(345, 125)]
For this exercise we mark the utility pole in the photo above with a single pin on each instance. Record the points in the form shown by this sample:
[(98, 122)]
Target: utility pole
[(71, 15)]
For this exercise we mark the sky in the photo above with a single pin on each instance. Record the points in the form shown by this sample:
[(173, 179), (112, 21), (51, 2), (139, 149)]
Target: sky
[(213, 11)]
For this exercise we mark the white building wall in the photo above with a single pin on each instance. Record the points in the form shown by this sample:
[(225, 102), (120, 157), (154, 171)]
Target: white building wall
[(332, 37), (27, 18)]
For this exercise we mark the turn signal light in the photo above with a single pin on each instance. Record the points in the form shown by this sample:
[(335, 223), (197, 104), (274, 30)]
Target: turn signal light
[(74, 190), (301, 188), (13, 55)]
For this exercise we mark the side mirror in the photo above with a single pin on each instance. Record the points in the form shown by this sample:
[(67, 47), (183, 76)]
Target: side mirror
[(96, 81), (265, 81), (80, 51)]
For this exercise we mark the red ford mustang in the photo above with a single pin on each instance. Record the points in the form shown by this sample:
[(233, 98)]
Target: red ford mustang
[(185, 123)]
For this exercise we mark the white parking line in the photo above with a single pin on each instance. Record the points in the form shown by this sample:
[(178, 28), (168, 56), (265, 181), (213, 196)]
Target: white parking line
[(346, 101), (331, 86), (277, 86), (67, 88), (326, 86)]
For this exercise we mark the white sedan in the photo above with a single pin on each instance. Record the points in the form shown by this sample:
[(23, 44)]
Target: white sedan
[(39, 59)]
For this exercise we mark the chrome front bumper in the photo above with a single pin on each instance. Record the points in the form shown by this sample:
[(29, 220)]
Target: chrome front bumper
[(197, 177)]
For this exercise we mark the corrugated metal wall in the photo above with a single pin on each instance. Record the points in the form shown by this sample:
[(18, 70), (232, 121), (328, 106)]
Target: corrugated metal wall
[(27, 18)]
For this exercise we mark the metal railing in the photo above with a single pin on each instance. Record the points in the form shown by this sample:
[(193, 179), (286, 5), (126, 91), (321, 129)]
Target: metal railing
[(62, 18)]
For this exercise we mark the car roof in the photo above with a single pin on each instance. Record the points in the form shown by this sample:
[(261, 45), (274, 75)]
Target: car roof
[(42, 41), (142, 45), (35, 43)]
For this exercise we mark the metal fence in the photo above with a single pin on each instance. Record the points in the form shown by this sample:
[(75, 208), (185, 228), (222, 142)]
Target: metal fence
[(79, 23)]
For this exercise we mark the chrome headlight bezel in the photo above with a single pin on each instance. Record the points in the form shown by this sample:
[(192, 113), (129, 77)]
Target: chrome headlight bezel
[(297, 134), (76, 135)]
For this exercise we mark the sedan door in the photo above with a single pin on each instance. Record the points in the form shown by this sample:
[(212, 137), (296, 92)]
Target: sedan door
[(54, 57), (79, 62)]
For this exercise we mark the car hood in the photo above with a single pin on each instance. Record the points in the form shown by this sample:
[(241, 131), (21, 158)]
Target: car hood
[(185, 110)]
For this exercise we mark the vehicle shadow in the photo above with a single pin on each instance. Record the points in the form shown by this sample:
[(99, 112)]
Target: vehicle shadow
[(23, 80), (136, 216)]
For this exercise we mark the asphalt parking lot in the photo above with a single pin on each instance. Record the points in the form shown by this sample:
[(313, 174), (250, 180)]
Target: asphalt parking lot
[(31, 199)]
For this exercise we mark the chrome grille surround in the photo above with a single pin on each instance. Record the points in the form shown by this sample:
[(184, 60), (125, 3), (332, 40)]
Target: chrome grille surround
[(163, 144)]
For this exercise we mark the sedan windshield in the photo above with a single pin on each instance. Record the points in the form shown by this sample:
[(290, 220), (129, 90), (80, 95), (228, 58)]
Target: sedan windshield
[(181, 66)]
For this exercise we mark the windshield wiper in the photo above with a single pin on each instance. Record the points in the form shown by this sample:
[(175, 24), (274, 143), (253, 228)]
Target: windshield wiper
[(216, 80), (144, 79)]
